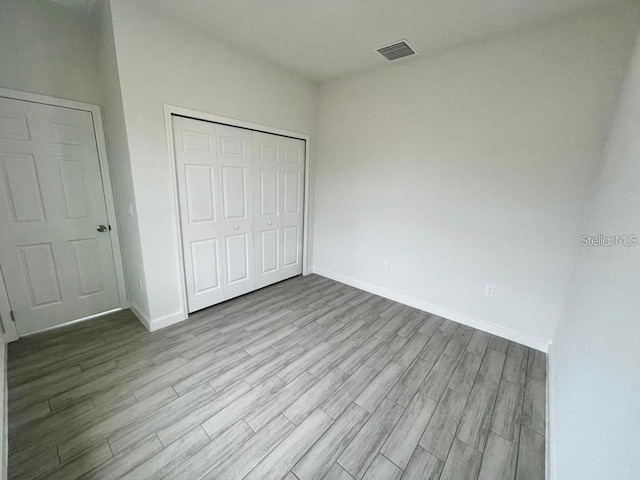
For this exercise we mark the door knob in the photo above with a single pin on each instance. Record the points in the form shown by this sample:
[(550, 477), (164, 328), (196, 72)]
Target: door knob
[(270, 223), (101, 228), (236, 227)]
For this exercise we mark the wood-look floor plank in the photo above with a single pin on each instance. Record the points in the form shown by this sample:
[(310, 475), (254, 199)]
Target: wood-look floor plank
[(499, 344), (259, 417), (337, 473), (168, 459), (81, 464), (303, 380), (170, 433), (499, 459), (358, 357), (119, 465), (229, 415), (507, 413), (423, 466), (379, 387), (411, 349), (463, 463), (363, 449), (282, 458), (332, 359), (33, 463), (386, 352), (530, 456), (253, 451), (382, 469), (409, 383), (441, 430), (407, 433), (436, 382), (479, 342), (431, 325), (534, 406), (476, 418), (312, 398), (348, 392), (200, 464), (434, 348), (164, 416), (102, 430), (320, 458), (491, 369), (537, 366), (515, 366), (465, 374)]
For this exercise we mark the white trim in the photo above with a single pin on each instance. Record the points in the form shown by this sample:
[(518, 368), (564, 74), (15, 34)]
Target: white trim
[(98, 127), (159, 323), (207, 117), (8, 327), (144, 320), (550, 459), (444, 312)]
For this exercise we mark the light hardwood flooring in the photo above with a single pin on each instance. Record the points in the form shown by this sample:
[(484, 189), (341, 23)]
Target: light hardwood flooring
[(306, 379)]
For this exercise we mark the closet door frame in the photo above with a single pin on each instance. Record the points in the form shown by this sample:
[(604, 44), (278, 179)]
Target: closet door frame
[(169, 111)]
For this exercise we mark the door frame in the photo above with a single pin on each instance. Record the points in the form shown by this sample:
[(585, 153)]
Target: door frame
[(98, 128), (170, 110)]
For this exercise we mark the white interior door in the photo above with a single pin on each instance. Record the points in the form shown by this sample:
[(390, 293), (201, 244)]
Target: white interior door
[(56, 264), (278, 193), (236, 167), (198, 177)]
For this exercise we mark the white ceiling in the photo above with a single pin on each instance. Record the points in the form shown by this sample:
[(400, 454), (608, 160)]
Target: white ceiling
[(324, 39)]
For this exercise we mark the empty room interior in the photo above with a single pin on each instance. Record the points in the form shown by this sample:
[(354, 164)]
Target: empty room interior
[(319, 239)]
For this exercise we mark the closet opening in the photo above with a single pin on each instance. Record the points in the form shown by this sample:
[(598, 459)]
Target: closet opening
[(240, 194)]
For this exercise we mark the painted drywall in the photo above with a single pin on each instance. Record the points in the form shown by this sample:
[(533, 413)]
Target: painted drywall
[(470, 168), (119, 163), (595, 359), (164, 61), (4, 428), (48, 49)]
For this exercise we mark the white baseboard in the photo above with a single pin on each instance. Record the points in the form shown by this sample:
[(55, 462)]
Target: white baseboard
[(444, 312), (144, 320), (158, 323), (167, 321), (550, 445)]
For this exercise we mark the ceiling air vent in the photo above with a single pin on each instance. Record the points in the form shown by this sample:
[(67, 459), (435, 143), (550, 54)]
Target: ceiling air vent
[(396, 50)]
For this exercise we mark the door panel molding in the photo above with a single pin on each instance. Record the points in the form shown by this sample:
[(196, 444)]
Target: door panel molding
[(63, 135), (230, 150)]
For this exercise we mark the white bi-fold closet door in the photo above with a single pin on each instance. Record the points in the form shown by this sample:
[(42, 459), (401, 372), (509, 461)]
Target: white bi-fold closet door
[(241, 208)]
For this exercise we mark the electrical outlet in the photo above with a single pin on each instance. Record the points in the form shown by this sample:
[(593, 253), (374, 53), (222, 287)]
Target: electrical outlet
[(489, 290), (140, 284), (130, 209), (384, 264)]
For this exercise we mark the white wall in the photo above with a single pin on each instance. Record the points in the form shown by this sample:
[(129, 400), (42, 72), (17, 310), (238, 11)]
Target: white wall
[(163, 61), (47, 49), (119, 162), (595, 358), (471, 168)]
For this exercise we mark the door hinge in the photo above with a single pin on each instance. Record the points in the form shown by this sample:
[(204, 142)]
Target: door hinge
[(13, 316)]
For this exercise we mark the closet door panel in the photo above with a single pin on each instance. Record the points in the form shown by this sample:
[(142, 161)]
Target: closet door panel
[(235, 153), (268, 208), (278, 163), (292, 210), (197, 171)]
